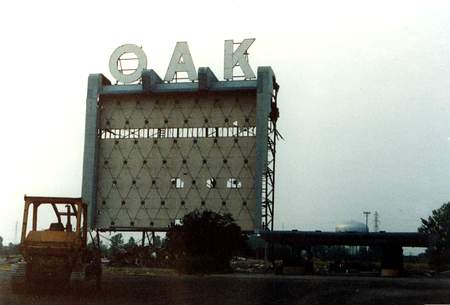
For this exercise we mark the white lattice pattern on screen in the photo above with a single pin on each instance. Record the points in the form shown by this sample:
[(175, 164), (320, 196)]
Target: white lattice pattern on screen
[(162, 156)]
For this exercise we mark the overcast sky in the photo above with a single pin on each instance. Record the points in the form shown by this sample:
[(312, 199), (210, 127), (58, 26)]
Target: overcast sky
[(364, 96)]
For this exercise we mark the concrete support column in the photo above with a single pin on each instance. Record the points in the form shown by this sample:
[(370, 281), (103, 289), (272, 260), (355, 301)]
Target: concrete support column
[(309, 260), (391, 260)]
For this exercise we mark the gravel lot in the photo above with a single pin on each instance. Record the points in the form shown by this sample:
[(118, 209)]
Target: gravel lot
[(237, 289)]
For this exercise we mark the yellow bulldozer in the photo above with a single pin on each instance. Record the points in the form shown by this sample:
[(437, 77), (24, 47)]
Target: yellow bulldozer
[(58, 254)]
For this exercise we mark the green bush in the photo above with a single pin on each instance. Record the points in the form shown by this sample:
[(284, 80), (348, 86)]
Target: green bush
[(204, 242), (437, 226)]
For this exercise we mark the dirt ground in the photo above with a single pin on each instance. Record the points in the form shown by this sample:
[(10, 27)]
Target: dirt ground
[(238, 289)]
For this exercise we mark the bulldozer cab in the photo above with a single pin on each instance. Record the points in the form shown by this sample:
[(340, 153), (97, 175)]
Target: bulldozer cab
[(70, 227)]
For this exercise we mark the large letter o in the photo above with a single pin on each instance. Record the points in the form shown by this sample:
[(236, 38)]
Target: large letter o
[(115, 57)]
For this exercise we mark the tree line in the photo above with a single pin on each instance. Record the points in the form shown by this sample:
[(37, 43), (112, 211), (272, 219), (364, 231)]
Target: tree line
[(205, 241), (10, 249)]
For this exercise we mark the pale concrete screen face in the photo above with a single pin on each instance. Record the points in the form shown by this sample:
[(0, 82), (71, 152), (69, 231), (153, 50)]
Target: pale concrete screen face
[(161, 156)]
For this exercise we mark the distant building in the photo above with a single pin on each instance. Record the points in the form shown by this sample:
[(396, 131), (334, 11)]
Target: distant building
[(352, 226)]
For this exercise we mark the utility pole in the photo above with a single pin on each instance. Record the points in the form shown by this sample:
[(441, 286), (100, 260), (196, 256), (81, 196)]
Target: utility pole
[(366, 214), (376, 221), (15, 235)]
